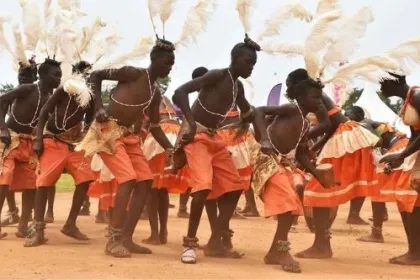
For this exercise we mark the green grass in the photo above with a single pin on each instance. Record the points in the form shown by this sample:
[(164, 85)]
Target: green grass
[(65, 184)]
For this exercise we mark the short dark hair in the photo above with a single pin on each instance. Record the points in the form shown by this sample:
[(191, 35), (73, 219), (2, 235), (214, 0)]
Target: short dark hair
[(357, 111), (199, 71), (400, 79), (302, 83), (47, 64), (247, 45)]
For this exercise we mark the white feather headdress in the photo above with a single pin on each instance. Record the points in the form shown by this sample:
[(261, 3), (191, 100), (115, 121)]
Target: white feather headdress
[(406, 54)]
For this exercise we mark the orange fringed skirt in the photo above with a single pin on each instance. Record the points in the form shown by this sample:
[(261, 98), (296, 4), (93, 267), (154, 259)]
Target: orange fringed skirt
[(156, 157), (349, 150), (239, 150), (395, 187)]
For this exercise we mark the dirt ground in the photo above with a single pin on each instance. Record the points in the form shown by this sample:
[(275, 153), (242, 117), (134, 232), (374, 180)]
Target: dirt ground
[(64, 258)]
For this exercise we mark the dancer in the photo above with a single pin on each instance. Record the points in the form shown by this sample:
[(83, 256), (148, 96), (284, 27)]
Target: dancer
[(213, 174), (18, 163), (395, 183), (111, 137), (410, 116), (27, 74), (66, 114), (273, 179), (163, 182)]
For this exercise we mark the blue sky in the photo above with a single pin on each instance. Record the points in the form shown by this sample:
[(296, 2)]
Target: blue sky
[(395, 21)]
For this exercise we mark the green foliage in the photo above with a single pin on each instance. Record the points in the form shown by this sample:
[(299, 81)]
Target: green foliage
[(357, 92), (6, 87), (163, 84)]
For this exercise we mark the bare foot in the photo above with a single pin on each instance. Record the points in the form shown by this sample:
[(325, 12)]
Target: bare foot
[(135, 248), (163, 236), (406, 259), (356, 220), (152, 240), (238, 216), (284, 259), (251, 213), (183, 214), (3, 235), (49, 218), (315, 253), (221, 252), (372, 238)]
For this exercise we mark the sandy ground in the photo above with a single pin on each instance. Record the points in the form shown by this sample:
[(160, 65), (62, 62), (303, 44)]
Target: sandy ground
[(64, 258)]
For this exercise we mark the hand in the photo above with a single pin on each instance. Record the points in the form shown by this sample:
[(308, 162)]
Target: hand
[(179, 160), (188, 135), (5, 137), (267, 148), (393, 161), (38, 147), (101, 116)]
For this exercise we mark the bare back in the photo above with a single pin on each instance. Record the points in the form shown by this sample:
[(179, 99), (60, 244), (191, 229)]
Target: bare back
[(285, 131)]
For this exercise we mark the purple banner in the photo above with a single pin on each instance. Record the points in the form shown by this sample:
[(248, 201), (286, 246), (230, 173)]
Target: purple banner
[(274, 96)]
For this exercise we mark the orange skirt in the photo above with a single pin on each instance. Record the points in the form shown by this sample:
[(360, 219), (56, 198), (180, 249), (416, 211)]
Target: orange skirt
[(349, 150), (156, 156), (239, 150), (279, 195), (104, 190), (395, 187)]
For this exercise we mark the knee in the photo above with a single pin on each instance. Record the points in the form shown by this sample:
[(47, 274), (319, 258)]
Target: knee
[(200, 197)]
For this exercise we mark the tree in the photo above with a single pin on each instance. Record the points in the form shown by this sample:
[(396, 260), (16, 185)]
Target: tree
[(356, 93), (6, 87)]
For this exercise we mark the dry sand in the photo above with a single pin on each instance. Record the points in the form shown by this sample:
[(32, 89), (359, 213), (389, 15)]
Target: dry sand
[(64, 258)]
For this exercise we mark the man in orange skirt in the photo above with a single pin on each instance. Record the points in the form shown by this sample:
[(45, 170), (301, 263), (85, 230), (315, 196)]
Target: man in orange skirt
[(395, 183), (163, 182), (65, 116)]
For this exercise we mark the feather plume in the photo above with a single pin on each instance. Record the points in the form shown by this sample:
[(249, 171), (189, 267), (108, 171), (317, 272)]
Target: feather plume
[(142, 48), (317, 40), (373, 69), (3, 41), (407, 54), (67, 44), (244, 9), (196, 21), (76, 86), (325, 6), (105, 46), (89, 34), (346, 43), (47, 10), (281, 16), (65, 4), (19, 48), (153, 8), (31, 23), (166, 9), (291, 49)]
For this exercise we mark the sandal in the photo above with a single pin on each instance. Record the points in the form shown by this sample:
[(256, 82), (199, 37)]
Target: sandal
[(115, 246), (74, 232), (188, 253)]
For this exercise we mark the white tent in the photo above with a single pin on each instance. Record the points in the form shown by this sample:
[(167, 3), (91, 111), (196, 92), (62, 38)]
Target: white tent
[(378, 110)]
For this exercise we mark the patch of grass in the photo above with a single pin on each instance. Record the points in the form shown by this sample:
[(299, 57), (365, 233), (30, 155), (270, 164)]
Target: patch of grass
[(65, 184)]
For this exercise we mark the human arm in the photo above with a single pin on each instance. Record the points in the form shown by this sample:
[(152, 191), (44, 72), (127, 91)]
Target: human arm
[(44, 114), (320, 143), (155, 128), (89, 115), (303, 159), (395, 160), (324, 125), (180, 97), (243, 104), (6, 99), (123, 74)]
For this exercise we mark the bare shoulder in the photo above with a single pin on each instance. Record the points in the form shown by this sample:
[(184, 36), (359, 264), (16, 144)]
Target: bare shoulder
[(415, 98), (329, 104)]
